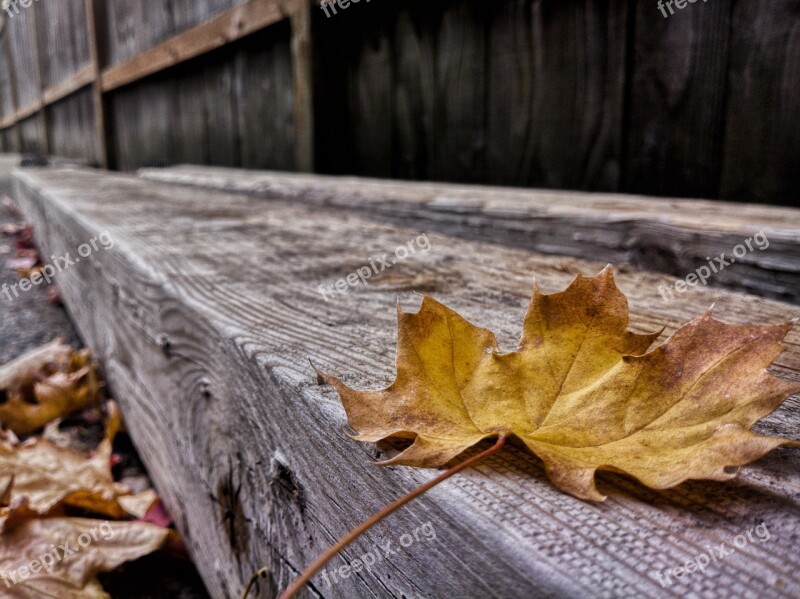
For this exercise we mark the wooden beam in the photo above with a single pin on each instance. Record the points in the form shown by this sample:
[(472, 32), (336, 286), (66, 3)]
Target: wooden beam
[(94, 23), (228, 26), (250, 453), (670, 235), (302, 66)]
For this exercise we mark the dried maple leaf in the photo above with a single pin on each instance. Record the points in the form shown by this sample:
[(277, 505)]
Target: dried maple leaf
[(47, 477), (60, 557), (45, 384), (580, 391)]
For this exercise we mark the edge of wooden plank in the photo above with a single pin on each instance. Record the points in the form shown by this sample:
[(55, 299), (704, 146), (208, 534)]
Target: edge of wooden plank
[(675, 236)]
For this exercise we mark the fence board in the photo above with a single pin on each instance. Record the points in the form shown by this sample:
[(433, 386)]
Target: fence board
[(762, 134), (677, 100), (133, 27), (23, 57), (31, 133), (64, 40), (72, 132), (266, 125)]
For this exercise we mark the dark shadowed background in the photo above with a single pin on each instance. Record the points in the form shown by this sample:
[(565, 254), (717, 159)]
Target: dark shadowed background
[(577, 94)]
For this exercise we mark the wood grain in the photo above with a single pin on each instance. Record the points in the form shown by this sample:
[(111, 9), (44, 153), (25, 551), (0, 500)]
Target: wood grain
[(762, 126), (672, 236), (556, 93), (677, 100), (205, 314)]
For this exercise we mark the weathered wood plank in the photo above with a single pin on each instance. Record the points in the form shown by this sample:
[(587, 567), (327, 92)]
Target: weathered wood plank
[(36, 24), (142, 118), (555, 94), (265, 100), (672, 236), (459, 136), (205, 314), (65, 45), (415, 92), (72, 128), (761, 161), (677, 96)]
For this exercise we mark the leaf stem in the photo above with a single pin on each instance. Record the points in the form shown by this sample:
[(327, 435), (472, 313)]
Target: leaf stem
[(318, 563), (262, 573)]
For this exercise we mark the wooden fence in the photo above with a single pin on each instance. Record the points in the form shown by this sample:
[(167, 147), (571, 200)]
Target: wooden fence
[(581, 94)]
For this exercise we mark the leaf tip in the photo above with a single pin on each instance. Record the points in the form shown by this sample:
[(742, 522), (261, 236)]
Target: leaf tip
[(320, 375)]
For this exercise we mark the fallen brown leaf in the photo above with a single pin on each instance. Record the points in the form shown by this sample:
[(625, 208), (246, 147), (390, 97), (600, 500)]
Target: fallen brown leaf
[(45, 384), (48, 477), (581, 392), (60, 557)]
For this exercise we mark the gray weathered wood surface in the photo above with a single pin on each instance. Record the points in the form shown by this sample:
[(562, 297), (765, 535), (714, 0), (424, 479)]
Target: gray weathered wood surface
[(205, 314), (672, 236)]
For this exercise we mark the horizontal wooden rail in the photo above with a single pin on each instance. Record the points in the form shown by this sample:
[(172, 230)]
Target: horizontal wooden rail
[(51, 95), (229, 26), (75, 82)]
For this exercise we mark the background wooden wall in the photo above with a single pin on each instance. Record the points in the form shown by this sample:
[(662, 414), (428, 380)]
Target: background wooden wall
[(581, 94)]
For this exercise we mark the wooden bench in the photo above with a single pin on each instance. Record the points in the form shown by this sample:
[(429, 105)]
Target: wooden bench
[(205, 314)]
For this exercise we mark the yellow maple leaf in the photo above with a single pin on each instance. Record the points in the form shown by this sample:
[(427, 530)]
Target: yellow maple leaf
[(60, 557), (45, 384), (46, 476), (581, 392)]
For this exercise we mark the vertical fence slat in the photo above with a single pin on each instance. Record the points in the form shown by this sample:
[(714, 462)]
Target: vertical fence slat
[(677, 100), (94, 21), (761, 160), (303, 85), (35, 22), (12, 81)]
